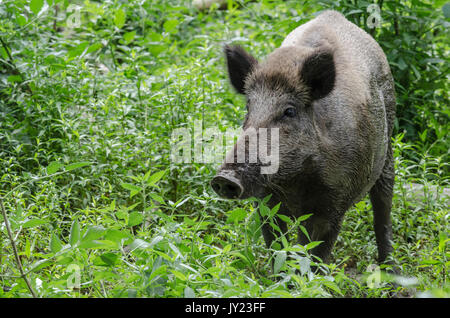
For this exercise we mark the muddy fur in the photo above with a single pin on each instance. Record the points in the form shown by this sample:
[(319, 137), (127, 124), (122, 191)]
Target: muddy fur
[(336, 147)]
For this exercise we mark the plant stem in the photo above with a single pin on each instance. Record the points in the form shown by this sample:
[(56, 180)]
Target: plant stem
[(16, 254)]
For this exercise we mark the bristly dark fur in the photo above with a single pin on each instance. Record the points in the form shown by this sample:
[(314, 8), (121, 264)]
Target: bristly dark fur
[(239, 64), (319, 73), (337, 146)]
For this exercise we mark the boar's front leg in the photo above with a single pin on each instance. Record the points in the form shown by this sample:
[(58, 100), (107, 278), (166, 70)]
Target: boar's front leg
[(321, 229)]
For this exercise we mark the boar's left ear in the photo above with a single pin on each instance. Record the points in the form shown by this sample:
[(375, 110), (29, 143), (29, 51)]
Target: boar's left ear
[(239, 64), (319, 72)]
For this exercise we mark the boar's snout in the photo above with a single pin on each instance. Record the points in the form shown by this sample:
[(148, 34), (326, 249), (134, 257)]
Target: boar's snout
[(227, 184)]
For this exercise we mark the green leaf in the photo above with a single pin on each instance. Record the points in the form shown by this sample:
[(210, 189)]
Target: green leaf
[(304, 231), (280, 259), (33, 222), (36, 6), (171, 25), (275, 210), (155, 177), (178, 275), (285, 218), (77, 165), (134, 189), (14, 78), (156, 49), (138, 243), (311, 245), (93, 233), (99, 244), (129, 37), (55, 244), (53, 167), (157, 197), (237, 215), (119, 18), (189, 292), (116, 235), (135, 218), (74, 233), (110, 259), (21, 20), (264, 210), (41, 264), (331, 285), (122, 215), (94, 47), (304, 217)]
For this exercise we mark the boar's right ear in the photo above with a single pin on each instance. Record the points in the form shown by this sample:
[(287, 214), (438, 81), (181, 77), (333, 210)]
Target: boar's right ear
[(239, 64)]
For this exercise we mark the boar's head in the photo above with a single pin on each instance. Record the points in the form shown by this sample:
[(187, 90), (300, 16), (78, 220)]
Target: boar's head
[(280, 92)]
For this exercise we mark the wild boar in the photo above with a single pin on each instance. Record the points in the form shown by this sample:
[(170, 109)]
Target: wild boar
[(329, 93)]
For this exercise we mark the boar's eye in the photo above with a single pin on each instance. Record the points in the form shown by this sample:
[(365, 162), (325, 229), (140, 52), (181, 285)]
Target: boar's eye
[(290, 112)]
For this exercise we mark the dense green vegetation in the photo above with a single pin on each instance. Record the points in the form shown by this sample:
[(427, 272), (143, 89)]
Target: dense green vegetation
[(89, 97)]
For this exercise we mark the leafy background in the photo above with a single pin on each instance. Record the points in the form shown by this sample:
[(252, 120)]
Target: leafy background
[(90, 93)]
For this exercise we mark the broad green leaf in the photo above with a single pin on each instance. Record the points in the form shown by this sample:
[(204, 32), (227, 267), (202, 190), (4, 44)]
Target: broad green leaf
[(275, 210), (122, 215), (156, 49), (53, 167), (14, 78), (189, 292), (311, 245), (41, 264), (119, 18), (116, 235), (93, 233), (77, 165), (264, 210), (155, 177), (171, 25), (331, 285), (285, 218), (55, 244), (94, 47), (110, 259), (157, 198), (305, 264), (303, 217), (74, 233), (138, 243), (99, 244), (21, 20), (36, 6), (280, 259), (129, 37), (237, 215), (33, 222), (134, 189), (178, 275), (135, 218)]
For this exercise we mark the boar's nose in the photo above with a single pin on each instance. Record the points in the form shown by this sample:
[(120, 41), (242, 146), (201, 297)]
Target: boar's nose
[(227, 185)]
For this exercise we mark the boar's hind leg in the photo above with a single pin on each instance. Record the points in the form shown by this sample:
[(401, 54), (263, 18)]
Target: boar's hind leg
[(381, 198)]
